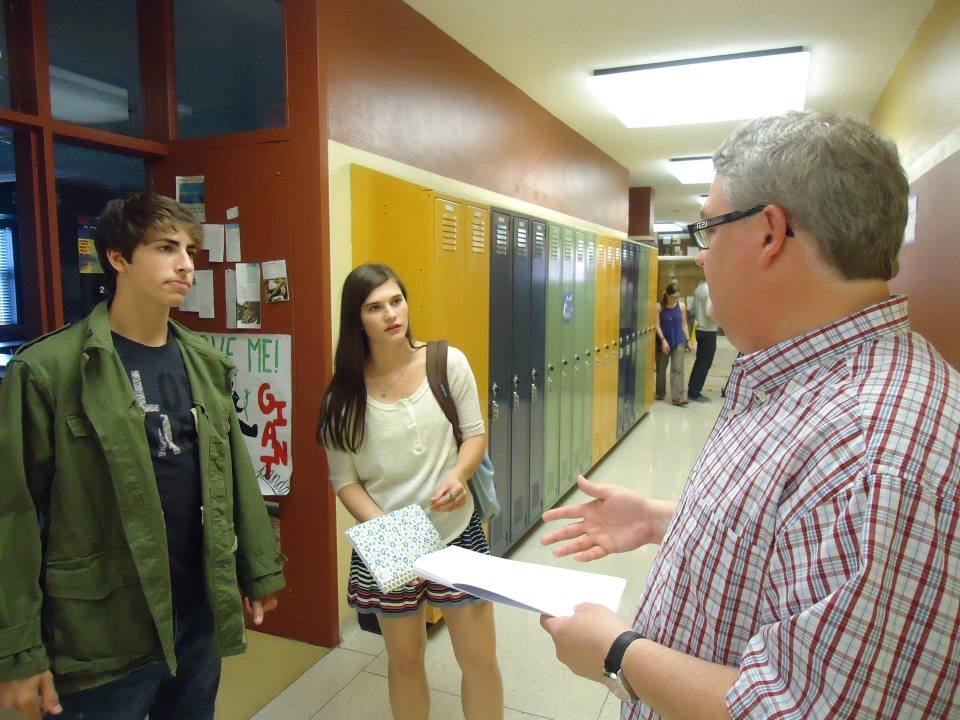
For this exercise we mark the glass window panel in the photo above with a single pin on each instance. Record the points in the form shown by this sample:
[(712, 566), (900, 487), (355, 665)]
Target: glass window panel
[(229, 66), (94, 64), (86, 181), (4, 64), (9, 290)]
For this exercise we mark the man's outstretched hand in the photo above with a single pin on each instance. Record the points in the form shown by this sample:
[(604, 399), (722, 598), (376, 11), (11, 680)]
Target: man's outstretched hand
[(617, 520)]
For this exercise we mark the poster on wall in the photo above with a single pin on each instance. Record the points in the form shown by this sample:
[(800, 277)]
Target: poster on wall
[(263, 399), (191, 193), (87, 256)]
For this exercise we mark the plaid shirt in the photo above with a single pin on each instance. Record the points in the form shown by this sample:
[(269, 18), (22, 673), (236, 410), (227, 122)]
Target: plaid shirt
[(817, 542)]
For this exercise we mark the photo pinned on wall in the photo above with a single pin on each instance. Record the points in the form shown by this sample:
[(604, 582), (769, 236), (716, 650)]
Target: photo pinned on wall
[(190, 194), (87, 256), (230, 296), (248, 296), (276, 286)]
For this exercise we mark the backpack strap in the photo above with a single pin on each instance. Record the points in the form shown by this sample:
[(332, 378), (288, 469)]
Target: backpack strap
[(437, 378)]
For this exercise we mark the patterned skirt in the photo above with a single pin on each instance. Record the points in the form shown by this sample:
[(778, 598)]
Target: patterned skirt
[(365, 597)]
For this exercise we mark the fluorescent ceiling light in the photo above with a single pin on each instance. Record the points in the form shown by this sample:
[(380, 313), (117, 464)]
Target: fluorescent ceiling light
[(667, 227), (705, 90), (692, 170)]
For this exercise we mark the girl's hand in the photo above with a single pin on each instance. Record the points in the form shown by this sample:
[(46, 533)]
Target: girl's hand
[(450, 495), (665, 346)]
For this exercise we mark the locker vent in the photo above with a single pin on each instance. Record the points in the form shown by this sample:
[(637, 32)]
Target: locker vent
[(478, 238), (502, 239), (521, 245), (568, 248), (554, 249), (449, 226), (539, 241)]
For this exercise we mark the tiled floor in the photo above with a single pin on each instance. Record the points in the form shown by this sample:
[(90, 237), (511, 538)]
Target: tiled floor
[(350, 682)]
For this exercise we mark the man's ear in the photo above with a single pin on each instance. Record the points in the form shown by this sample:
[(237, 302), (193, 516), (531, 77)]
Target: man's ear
[(775, 227), (116, 260)]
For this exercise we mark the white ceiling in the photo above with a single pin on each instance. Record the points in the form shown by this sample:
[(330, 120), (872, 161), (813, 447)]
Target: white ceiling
[(548, 48)]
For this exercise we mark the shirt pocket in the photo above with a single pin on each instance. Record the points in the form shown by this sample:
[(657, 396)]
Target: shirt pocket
[(725, 566)]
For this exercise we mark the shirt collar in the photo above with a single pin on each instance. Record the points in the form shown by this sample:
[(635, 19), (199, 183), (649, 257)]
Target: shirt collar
[(757, 374)]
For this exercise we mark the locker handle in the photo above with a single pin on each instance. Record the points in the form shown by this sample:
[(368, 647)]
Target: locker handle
[(496, 390), (495, 411), (516, 402), (533, 374), (533, 392), (597, 349), (551, 368), (516, 382), (588, 353), (576, 358), (565, 363)]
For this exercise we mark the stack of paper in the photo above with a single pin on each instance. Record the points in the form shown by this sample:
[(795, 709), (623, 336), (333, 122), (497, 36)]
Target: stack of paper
[(541, 588)]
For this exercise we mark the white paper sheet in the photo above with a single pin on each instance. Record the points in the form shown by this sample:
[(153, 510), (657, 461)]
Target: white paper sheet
[(233, 213), (191, 302), (232, 233), (204, 281), (539, 588), (213, 238)]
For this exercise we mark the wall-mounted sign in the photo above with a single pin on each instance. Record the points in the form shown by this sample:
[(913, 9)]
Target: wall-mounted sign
[(262, 396)]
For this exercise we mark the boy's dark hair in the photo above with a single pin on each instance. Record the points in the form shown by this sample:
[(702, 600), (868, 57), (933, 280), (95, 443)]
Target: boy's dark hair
[(124, 221)]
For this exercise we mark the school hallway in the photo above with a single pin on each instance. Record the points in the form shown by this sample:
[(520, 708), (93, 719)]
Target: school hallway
[(350, 681)]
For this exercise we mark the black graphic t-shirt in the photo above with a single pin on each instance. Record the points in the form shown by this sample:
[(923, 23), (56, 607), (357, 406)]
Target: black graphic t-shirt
[(162, 390)]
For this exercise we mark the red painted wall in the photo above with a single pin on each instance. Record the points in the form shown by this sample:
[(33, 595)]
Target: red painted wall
[(930, 267), (399, 87)]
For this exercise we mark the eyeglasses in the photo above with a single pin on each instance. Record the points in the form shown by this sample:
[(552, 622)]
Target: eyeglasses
[(701, 231)]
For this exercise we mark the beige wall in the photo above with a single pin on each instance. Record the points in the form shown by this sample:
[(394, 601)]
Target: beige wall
[(920, 110), (920, 105)]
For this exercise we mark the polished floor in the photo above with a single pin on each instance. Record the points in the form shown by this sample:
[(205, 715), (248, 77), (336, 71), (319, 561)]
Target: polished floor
[(350, 681)]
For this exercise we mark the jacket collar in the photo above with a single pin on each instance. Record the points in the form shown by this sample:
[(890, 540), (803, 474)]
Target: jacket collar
[(99, 335)]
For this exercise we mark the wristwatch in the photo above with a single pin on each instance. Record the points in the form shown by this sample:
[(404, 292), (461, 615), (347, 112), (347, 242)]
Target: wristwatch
[(612, 672)]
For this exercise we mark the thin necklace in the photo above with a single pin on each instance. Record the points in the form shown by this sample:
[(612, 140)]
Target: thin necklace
[(384, 391)]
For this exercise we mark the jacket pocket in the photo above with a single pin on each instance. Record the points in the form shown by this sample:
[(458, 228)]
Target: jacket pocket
[(80, 426), (96, 616)]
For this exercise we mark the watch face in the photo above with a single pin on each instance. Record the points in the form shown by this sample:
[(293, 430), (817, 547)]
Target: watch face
[(615, 685)]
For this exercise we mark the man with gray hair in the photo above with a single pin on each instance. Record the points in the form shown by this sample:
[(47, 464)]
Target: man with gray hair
[(811, 568)]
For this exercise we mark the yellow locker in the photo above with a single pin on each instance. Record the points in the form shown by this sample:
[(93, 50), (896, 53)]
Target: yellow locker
[(392, 223), (477, 297), (599, 314)]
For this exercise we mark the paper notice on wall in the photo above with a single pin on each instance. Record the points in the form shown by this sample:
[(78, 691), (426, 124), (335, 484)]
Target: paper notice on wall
[(233, 213), (232, 232), (190, 194), (230, 293), (910, 231), (213, 239), (203, 280), (191, 302), (248, 295), (87, 256), (275, 285), (263, 401)]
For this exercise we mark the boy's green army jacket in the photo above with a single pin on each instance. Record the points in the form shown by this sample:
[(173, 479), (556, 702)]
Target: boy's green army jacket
[(84, 571)]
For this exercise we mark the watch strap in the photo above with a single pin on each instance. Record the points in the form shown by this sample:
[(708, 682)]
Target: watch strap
[(615, 655)]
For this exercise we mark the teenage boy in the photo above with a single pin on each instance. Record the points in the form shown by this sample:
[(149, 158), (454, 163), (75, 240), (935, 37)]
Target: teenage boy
[(129, 509)]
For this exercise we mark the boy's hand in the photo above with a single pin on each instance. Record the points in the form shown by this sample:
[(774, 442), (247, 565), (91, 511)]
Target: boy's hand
[(33, 696), (256, 609)]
